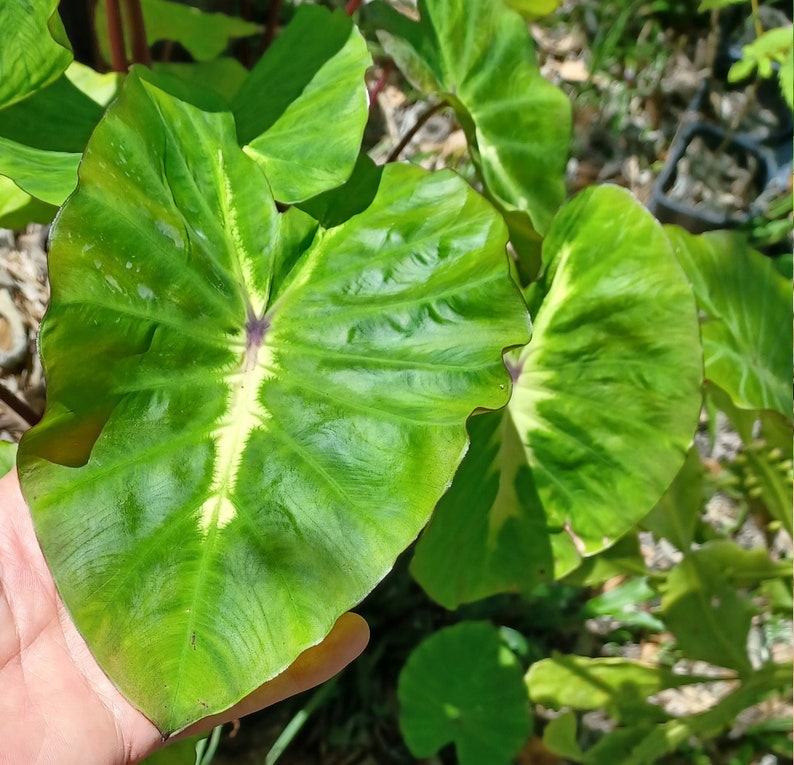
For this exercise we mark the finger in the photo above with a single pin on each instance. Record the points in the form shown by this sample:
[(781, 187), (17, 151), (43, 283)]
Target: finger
[(347, 639)]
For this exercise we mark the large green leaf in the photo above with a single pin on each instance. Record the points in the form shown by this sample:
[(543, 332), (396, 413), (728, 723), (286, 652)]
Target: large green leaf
[(463, 685), (34, 51), (247, 421), (606, 402), (478, 55), (746, 317), (312, 72), (204, 35)]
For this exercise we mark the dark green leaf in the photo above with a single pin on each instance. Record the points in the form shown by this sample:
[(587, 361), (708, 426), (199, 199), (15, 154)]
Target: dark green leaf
[(559, 737), (276, 414), (462, 685), (306, 134), (604, 408), (43, 161)]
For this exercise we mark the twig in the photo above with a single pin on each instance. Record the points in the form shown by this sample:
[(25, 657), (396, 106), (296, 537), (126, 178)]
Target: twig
[(417, 126), (18, 406), (140, 46), (352, 6), (116, 36)]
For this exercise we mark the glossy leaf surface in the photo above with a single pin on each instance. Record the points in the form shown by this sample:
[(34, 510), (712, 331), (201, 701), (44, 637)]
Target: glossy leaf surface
[(746, 317), (462, 685), (479, 56), (264, 413), (315, 69), (34, 51), (606, 401)]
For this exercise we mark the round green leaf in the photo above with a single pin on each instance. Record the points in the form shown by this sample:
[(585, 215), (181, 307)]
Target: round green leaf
[(606, 402), (248, 418), (35, 50), (462, 685), (745, 317)]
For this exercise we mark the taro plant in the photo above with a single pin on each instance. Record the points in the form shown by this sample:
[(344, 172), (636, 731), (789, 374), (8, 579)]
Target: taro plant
[(268, 360)]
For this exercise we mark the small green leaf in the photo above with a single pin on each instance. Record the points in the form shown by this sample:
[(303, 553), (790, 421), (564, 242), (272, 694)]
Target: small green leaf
[(462, 685), (279, 409), (559, 737), (624, 603), (619, 686), (478, 55), (702, 606), (606, 401), (745, 310), (8, 457), (204, 35), (35, 50), (314, 69)]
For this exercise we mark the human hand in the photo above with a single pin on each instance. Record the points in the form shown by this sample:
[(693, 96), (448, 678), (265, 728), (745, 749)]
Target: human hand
[(56, 704)]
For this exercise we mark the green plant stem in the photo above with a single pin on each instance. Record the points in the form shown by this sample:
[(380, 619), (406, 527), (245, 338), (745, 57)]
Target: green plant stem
[(297, 722), (205, 749), (116, 36), (140, 46), (406, 139), (759, 30)]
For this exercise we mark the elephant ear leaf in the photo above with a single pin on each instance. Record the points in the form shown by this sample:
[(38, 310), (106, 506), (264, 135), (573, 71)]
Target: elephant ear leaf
[(606, 401), (249, 416)]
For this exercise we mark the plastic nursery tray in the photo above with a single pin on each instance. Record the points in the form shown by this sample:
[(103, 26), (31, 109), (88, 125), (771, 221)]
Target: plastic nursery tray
[(698, 218)]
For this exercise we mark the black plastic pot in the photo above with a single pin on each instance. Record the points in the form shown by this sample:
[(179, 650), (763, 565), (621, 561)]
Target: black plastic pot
[(672, 205)]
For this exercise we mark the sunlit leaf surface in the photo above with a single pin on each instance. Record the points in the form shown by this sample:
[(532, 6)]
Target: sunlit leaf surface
[(34, 51), (605, 404), (248, 417)]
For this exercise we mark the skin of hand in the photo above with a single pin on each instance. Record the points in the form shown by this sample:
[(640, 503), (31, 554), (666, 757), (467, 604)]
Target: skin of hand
[(56, 704)]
